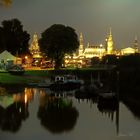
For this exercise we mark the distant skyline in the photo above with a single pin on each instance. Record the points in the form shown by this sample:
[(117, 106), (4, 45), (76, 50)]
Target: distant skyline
[(91, 17)]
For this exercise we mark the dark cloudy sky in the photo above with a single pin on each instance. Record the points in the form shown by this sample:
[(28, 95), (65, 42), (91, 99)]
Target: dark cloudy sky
[(91, 17)]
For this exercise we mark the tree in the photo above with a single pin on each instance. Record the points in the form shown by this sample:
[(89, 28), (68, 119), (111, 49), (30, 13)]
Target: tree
[(109, 60), (95, 61), (57, 41), (2, 48), (15, 39), (130, 61)]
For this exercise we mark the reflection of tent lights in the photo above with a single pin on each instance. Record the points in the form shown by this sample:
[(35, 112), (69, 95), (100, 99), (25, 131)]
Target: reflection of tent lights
[(6, 101), (25, 98)]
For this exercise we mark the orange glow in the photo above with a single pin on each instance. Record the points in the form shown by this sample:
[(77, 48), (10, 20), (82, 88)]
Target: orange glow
[(26, 57), (25, 98)]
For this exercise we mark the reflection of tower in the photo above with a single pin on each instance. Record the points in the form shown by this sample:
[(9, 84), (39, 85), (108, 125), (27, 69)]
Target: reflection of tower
[(136, 47), (117, 119), (81, 47), (110, 43), (34, 47), (110, 106)]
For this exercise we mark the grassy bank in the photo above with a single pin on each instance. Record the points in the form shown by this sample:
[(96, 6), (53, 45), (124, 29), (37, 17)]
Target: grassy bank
[(28, 77), (37, 75)]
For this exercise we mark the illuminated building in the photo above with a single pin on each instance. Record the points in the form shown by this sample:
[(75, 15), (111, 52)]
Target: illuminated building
[(109, 43), (81, 45), (34, 47), (91, 51), (94, 51), (131, 50), (127, 51), (85, 53), (136, 46)]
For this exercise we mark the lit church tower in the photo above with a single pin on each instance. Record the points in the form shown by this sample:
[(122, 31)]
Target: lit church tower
[(136, 47), (110, 43), (34, 47), (81, 47)]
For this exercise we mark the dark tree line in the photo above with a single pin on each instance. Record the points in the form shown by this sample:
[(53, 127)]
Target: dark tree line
[(122, 62), (13, 38)]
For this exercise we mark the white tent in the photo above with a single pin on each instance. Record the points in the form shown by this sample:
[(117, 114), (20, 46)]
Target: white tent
[(7, 56)]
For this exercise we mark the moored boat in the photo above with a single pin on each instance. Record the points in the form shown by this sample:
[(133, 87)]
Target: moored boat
[(66, 82)]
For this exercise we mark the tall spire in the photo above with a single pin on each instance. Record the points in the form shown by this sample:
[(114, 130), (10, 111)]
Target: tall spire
[(136, 44), (110, 31), (81, 38), (81, 47), (110, 43)]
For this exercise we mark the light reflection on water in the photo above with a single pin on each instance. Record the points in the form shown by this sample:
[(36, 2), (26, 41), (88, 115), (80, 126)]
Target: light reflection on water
[(37, 114)]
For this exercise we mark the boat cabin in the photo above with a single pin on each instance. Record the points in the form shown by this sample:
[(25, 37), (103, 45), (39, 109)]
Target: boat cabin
[(66, 78)]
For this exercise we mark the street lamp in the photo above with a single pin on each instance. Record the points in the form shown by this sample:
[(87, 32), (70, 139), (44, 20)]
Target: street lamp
[(26, 57)]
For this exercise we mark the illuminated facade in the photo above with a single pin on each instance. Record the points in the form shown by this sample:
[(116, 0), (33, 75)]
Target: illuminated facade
[(34, 47), (91, 51), (81, 45), (136, 46), (86, 53), (131, 50), (94, 51), (109, 43), (127, 51)]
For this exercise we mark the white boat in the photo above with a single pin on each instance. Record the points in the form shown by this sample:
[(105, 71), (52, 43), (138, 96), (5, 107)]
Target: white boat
[(66, 82), (68, 79)]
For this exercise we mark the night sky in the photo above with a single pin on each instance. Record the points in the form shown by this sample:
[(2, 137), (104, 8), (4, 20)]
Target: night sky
[(91, 17)]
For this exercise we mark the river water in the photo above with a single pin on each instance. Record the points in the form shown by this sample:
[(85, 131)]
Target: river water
[(37, 114)]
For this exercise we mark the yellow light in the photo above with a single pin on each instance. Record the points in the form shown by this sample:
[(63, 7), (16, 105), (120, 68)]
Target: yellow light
[(26, 57), (101, 45), (25, 98)]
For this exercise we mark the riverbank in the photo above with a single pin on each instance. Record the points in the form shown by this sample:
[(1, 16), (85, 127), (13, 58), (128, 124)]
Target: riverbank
[(30, 76), (35, 76)]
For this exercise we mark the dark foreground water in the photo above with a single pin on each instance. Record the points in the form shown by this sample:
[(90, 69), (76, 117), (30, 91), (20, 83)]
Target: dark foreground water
[(36, 115)]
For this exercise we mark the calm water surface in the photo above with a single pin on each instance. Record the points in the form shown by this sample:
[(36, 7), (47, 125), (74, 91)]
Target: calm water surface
[(35, 114)]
